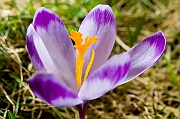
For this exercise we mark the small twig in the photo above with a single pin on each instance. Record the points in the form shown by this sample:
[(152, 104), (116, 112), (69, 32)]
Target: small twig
[(5, 113), (39, 115), (7, 97), (122, 44)]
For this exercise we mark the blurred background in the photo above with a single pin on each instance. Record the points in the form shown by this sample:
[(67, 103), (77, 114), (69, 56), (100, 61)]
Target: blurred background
[(153, 95)]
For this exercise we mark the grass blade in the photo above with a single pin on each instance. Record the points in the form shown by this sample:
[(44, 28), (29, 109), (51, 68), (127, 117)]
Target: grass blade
[(10, 115)]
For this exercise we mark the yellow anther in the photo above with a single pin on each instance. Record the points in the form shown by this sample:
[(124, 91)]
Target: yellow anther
[(89, 65), (82, 48), (79, 72)]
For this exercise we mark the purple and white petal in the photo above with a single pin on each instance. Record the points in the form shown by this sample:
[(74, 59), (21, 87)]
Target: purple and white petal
[(55, 38), (34, 56), (145, 54), (38, 52), (99, 22), (106, 78), (51, 90), (41, 59)]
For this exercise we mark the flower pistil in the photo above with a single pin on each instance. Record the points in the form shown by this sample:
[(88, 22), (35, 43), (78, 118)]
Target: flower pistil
[(82, 48)]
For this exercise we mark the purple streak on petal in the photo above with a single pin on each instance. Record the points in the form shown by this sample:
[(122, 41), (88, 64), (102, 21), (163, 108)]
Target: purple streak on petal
[(106, 78), (41, 51), (51, 90), (145, 54), (37, 62), (102, 15), (55, 38), (99, 22), (43, 17)]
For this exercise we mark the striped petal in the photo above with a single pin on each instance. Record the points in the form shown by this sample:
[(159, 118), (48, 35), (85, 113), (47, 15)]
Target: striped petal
[(145, 54), (55, 38), (51, 90), (33, 53), (99, 22), (106, 78), (42, 60)]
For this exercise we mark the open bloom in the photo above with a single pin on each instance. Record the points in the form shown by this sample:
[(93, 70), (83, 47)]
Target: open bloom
[(69, 76)]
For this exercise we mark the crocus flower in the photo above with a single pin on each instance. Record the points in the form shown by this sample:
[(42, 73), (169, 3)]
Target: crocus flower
[(71, 76)]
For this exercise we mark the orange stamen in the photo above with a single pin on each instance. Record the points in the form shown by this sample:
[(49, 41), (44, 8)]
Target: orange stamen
[(82, 48)]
